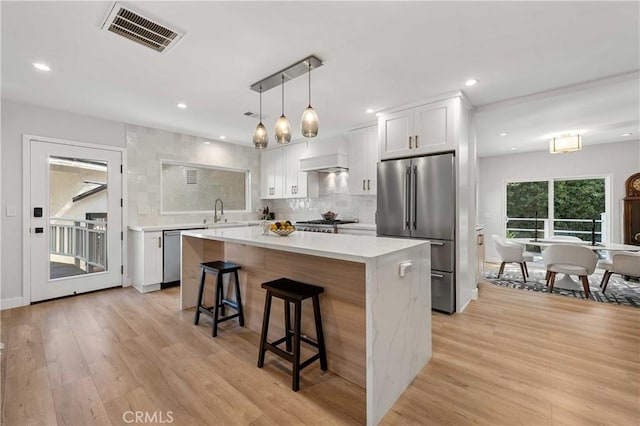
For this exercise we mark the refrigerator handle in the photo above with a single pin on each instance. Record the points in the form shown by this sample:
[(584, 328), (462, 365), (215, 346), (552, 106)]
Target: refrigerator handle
[(407, 198), (415, 196)]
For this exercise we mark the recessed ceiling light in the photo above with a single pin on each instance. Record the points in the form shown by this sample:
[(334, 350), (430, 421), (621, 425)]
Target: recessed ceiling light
[(471, 82), (513, 148), (181, 105), (41, 66), (369, 110), (206, 142), (223, 137), (504, 133), (627, 134)]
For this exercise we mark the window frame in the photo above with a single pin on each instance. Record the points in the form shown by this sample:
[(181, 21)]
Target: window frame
[(247, 187), (605, 231)]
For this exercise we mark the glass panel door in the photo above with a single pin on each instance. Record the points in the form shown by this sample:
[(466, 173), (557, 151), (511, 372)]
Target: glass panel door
[(75, 219), (527, 209)]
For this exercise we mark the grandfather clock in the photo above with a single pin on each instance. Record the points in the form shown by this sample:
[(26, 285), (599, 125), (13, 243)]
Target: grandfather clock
[(632, 210)]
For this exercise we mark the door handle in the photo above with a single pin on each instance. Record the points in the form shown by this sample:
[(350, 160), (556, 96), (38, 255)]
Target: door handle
[(368, 185), (436, 243), (410, 140), (159, 242), (363, 184), (415, 196), (433, 274), (407, 198), (416, 141)]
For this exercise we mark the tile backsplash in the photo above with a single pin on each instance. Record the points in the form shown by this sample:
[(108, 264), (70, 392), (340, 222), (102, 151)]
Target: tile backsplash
[(334, 196), (147, 147)]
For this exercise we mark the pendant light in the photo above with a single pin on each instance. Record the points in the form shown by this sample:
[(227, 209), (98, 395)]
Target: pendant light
[(260, 136), (283, 128), (309, 122)]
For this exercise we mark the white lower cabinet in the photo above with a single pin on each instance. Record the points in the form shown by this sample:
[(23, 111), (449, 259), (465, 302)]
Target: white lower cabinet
[(147, 260)]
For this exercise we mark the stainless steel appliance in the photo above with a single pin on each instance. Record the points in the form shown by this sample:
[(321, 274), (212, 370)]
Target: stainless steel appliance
[(171, 258), (321, 225), (417, 199)]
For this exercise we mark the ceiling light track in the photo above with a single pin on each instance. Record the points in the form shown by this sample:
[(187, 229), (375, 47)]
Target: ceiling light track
[(289, 73)]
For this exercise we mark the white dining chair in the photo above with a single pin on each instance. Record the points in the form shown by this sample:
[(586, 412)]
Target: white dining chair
[(624, 263), (570, 260), (510, 252)]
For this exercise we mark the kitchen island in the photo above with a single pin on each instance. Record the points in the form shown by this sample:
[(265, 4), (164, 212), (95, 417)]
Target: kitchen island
[(376, 313)]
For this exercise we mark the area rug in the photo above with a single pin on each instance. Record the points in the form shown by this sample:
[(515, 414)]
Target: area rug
[(619, 291)]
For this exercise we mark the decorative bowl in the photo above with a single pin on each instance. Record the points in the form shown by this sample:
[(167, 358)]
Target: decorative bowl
[(329, 215), (283, 232)]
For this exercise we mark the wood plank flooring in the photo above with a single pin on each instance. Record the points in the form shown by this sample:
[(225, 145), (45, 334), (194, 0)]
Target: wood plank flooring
[(513, 357)]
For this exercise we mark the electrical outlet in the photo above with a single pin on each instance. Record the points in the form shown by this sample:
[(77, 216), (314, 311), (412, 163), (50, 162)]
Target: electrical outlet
[(405, 267)]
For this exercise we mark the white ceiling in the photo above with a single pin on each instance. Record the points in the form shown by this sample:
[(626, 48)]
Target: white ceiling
[(376, 54)]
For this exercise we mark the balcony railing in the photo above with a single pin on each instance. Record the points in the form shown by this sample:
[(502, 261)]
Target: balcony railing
[(84, 240), (545, 230)]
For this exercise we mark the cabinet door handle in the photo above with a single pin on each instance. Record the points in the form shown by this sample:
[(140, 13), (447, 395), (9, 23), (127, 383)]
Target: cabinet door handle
[(410, 140), (363, 188), (296, 189), (416, 141), (368, 185), (159, 242)]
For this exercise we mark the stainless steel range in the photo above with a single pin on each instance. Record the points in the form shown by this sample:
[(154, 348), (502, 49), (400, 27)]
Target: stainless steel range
[(321, 225)]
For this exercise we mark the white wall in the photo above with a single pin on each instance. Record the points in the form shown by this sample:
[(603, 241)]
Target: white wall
[(19, 119), (618, 160)]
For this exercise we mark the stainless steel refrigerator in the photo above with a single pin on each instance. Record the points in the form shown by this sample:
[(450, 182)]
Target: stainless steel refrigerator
[(417, 199)]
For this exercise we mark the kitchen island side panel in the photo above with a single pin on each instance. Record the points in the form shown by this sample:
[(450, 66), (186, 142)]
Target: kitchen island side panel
[(398, 326)]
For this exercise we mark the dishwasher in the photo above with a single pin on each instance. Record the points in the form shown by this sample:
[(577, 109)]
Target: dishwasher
[(171, 259)]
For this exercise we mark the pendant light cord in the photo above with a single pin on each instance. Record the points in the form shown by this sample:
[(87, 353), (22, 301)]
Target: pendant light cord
[(260, 104), (282, 94), (309, 83)]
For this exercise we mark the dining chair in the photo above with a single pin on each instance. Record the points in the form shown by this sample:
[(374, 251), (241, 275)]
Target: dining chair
[(624, 263), (570, 260), (510, 252)]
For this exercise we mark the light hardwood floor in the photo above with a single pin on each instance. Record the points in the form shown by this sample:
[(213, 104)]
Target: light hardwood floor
[(513, 357)]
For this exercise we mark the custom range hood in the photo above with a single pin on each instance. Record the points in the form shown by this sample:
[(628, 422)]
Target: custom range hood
[(327, 163)]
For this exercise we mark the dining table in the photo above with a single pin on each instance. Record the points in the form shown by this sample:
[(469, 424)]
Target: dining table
[(566, 281)]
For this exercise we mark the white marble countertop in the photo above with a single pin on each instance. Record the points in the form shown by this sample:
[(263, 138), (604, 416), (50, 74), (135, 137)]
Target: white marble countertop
[(209, 225), (353, 248)]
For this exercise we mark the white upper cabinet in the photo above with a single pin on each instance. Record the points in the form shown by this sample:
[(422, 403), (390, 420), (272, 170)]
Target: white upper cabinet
[(280, 175), (295, 181), (425, 129), (271, 173), (363, 157)]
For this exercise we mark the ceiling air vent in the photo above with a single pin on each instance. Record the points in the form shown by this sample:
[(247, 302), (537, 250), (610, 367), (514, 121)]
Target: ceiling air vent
[(142, 29), (255, 115)]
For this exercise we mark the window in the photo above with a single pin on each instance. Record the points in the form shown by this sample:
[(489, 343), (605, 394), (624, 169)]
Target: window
[(563, 207), (188, 188)]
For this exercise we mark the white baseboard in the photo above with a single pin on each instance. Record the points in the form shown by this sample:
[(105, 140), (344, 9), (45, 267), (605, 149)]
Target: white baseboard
[(474, 294), (14, 302), (147, 288)]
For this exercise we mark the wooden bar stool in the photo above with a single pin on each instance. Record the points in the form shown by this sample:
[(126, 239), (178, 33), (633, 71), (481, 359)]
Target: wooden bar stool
[(292, 292), (219, 268)]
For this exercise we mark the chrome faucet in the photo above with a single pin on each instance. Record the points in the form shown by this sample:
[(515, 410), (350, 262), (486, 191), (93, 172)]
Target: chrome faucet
[(215, 210)]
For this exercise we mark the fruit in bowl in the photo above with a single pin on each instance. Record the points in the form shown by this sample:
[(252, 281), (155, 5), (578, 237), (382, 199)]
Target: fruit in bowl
[(329, 215), (282, 227)]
